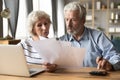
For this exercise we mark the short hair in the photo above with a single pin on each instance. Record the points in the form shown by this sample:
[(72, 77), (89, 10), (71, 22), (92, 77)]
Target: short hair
[(76, 6), (33, 17)]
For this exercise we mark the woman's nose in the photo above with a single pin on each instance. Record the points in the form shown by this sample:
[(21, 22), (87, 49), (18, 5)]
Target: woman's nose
[(43, 26)]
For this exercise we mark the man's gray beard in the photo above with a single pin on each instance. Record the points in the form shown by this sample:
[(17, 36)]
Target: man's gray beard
[(72, 33)]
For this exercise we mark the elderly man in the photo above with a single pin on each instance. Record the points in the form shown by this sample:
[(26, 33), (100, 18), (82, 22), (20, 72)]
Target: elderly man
[(100, 51)]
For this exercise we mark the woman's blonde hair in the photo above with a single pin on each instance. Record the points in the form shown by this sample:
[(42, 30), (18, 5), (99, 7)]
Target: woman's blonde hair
[(33, 17)]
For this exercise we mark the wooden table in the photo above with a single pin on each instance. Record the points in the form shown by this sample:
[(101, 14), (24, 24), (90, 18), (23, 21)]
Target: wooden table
[(9, 41), (67, 74)]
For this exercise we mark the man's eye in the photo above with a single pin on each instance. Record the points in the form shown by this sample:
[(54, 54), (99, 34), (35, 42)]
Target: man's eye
[(74, 19)]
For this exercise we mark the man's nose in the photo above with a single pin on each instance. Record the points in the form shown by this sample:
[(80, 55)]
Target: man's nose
[(69, 23)]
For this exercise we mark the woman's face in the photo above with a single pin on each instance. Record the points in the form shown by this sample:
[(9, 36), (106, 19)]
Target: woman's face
[(41, 27)]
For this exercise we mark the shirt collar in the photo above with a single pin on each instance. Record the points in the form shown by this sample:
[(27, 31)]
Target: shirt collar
[(42, 38)]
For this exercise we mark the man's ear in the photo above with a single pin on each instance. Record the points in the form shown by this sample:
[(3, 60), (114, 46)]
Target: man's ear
[(83, 20)]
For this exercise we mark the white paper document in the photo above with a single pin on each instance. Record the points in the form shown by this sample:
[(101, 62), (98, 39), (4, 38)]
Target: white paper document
[(59, 52)]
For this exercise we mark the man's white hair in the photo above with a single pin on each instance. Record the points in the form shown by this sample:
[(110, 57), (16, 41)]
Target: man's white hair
[(76, 6)]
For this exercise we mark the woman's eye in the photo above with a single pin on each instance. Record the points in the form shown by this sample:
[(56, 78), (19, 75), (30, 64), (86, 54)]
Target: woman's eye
[(66, 19), (39, 25), (45, 23)]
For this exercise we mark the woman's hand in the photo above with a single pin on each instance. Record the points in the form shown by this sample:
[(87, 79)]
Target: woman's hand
[(50, 67)]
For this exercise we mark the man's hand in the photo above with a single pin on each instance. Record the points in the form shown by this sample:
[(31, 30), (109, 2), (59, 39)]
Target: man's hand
[(103, 64), (50, 67)]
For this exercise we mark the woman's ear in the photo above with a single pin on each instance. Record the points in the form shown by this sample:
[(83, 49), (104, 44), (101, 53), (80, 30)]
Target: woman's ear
[(33, 31)]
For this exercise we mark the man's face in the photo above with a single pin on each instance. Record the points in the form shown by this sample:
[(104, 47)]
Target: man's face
[(74, 24)]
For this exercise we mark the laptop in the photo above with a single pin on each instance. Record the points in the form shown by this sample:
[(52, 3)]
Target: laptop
[(13, 62)]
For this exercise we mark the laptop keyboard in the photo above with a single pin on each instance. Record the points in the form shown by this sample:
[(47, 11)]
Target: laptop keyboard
[(32, 71), (35, 70)]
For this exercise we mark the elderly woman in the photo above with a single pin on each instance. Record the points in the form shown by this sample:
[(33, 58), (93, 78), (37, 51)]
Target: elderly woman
[(38, 24)]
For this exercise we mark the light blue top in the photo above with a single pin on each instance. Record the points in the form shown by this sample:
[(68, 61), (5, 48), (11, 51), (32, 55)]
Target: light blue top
[(32, 56), (96, 44)]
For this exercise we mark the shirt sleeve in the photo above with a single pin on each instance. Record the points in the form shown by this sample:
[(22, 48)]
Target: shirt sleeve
[(32, 56), (109, 51)]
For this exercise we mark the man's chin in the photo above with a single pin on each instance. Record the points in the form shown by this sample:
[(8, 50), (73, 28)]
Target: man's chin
[(71, 33)]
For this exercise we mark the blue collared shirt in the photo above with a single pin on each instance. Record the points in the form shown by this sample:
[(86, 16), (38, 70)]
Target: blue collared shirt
[(96, 44)]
